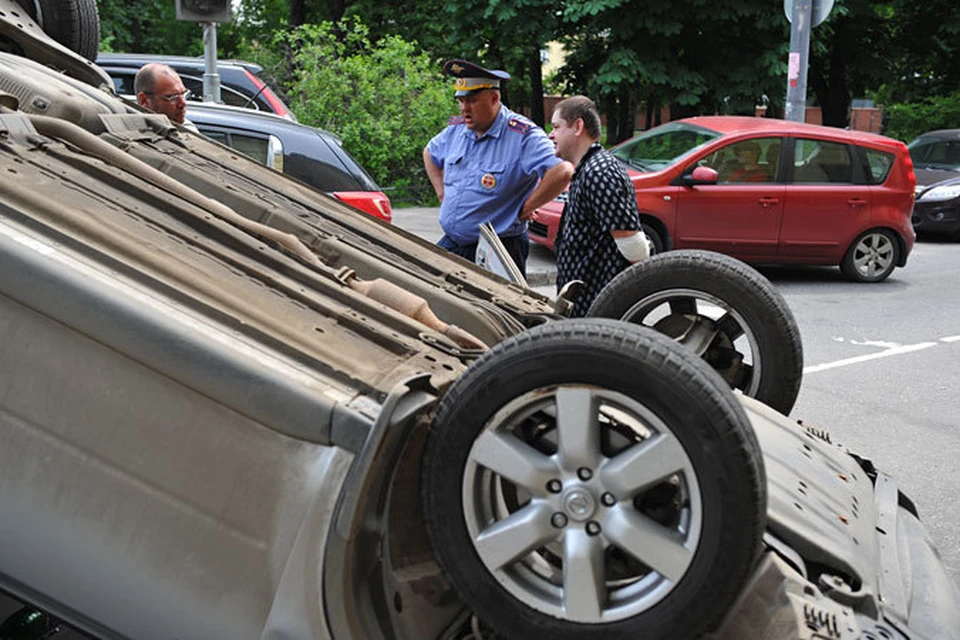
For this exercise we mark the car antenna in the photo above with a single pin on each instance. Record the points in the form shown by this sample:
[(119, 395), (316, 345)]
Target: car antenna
[(254, 97)]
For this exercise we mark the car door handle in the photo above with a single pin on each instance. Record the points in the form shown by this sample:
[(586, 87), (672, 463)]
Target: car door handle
[(856, 202), (768, 201)]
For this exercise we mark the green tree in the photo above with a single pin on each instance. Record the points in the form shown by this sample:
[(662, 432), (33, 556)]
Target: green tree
[(706, 57), (144, 26), (385, 100)]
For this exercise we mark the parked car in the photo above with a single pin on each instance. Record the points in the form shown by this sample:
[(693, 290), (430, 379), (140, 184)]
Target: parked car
[(240, 82), (828, 196), (311, 155), (936, 156), (937, 209), (232, 408)]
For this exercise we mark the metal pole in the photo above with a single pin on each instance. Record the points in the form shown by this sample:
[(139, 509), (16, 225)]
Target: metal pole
[(800, 25), (211, 79)]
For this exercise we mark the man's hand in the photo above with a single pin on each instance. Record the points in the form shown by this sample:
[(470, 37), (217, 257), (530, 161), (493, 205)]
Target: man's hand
[(554, 181)]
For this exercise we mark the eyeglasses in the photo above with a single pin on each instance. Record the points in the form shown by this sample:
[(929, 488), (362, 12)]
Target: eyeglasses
[(173, 97)]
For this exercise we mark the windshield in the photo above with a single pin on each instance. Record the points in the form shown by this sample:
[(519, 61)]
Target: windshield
[(663, 146), (935, 154)]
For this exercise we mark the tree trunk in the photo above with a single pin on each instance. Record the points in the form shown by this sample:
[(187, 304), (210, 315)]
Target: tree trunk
[(297, 13), (536, 87), (336, 8)]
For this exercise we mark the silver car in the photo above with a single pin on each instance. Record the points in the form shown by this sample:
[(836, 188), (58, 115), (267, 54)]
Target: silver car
[(232, 408)]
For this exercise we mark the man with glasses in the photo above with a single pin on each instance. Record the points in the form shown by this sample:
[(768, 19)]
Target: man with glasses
[(160, 89)]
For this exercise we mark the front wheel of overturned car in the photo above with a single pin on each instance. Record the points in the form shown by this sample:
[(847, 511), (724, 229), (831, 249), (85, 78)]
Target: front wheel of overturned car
[(724, 310), (591, 479)]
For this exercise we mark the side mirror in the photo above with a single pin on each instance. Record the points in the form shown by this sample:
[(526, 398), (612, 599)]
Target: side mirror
[(700, 175)]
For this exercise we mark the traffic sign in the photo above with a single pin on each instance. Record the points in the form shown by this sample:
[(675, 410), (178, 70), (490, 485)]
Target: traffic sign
[(820, 11)]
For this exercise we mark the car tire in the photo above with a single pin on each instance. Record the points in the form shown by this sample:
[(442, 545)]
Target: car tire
[(656, 242), (724, 310), (651, 448), (872, 257), (73, 23)]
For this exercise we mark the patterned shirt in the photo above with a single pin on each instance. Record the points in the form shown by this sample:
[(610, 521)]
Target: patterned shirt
[(601, 200), (489, 178)]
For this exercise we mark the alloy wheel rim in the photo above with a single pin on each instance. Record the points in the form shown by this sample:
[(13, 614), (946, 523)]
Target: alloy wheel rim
[(592, 518)]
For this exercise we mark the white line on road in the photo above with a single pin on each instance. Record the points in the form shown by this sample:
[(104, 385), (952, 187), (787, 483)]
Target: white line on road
[(895, 351)]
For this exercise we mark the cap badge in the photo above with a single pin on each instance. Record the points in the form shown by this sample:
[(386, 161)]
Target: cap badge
[(456, 68), (460, 83), (488, 181)]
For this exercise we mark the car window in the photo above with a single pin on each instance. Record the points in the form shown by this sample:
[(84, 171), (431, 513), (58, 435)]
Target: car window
[(320, 166), (661, 147), (819, 161), (942, 154), (878, 166), (754, 160)]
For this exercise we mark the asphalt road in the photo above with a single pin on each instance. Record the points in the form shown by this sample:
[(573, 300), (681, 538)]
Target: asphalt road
[(881, 374), (882, 367)]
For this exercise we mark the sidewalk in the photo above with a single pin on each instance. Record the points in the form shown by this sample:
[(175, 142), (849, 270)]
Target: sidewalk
[(423, 222)]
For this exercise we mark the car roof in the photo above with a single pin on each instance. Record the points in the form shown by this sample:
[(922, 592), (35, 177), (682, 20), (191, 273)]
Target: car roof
[(264, 121), (752, 124), (941, 134), (137, 60)]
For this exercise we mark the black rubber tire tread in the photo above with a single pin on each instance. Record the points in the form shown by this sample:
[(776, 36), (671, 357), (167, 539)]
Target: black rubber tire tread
[(73, 23), (850, 271), (694, 402), (743, 288)]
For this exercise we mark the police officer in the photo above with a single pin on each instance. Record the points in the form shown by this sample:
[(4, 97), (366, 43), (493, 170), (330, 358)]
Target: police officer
[(490, 164)]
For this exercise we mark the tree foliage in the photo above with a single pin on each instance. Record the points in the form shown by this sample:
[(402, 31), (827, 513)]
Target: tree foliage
[(692, 56), (385, 100), (905, 121)]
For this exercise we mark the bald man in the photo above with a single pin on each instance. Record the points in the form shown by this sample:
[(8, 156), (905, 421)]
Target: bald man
[(160, 89)]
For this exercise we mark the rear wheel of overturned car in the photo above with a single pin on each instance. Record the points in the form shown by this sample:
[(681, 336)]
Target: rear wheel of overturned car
[(872, 257), (73, 23), (593, 479), (724, 310)]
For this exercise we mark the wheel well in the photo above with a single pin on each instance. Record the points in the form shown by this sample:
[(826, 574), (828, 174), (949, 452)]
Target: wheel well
[(657, 225), (901, 243)]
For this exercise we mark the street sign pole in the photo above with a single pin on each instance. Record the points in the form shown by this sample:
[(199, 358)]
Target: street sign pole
[(211, 79), (800, 19)]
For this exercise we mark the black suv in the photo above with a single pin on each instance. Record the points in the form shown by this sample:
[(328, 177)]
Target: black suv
[(240, 82), (311, 155)]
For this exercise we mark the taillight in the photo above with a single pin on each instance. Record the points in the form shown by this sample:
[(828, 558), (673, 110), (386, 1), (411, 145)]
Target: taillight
[(908, 163), (376, 203), (267, 93)]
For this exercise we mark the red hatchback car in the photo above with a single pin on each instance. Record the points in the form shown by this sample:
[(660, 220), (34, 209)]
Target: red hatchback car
[(769, 192)]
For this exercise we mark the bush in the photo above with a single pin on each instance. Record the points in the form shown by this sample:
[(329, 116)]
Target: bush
[(905, 121), (384, 100)]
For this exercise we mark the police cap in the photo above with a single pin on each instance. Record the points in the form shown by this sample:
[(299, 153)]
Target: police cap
[(472, 77)]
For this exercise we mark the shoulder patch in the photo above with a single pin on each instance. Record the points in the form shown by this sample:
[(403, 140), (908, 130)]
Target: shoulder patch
[(520, 126), (454, 120)]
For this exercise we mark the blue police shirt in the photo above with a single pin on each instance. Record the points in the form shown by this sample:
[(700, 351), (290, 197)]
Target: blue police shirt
[(488, 178)]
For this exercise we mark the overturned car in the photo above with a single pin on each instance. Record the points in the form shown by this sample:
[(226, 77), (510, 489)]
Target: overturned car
[(232, 407)]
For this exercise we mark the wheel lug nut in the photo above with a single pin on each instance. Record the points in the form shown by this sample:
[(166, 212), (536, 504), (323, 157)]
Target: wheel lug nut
[(593, 528), (584, 474), (608, 500), (558, 520), (554, 486)]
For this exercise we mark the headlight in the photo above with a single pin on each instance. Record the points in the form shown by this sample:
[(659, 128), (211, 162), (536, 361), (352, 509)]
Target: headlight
[(937, 194)]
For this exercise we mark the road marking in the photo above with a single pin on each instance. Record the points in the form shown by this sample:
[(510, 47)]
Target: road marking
[(892, 351), (950, 339)]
